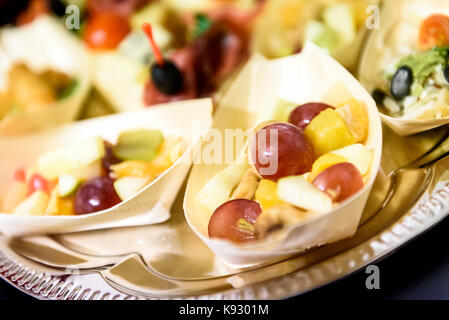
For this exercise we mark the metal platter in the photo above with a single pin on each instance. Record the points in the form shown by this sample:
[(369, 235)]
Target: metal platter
[(167, 261)]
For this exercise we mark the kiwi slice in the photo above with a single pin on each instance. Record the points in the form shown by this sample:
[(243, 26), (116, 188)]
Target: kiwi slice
[(140, 145)]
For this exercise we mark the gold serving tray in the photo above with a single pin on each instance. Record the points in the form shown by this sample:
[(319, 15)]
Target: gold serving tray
[(167, 260)]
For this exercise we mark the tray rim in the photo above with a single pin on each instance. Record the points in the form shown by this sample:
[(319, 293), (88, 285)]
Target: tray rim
[(427, 213)]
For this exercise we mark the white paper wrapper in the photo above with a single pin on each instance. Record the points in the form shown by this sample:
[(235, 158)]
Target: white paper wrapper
[(119, 79), (300, 78), (188, 119), (41, 45), (397, 37)]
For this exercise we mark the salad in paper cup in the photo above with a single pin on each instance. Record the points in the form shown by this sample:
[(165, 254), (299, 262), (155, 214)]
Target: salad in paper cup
[(118, 170), (301, 175), (44, 76), (405, 65), (337, 26)]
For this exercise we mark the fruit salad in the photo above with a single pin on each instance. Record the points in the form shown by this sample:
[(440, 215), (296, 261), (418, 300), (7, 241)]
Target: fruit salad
[(91, 175), (417, 85), (321, 161)]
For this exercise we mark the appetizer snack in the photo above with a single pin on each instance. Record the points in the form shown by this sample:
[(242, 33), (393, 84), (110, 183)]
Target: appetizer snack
[(191, 54), (117, 170), (91, 175), (325, 143), (44, 83), (405, 65), (337, 26)]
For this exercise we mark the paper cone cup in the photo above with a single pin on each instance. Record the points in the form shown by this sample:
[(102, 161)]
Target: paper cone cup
[(397, 37), (187, 119), (310, 76), (41, 45)]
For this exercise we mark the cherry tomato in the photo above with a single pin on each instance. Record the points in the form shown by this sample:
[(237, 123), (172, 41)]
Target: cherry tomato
[(37, 182), (20, 175), (105, 30), (434, 32)]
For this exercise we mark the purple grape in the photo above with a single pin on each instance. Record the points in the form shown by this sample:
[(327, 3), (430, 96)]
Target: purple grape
[(95, 195), (305, 113), (109, 158)]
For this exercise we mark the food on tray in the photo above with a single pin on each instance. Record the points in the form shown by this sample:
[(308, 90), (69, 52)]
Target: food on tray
[(336, 25), (27, 91), (42, 82), (311, 164), (91, 175), (196, 51), (416, 86), (105, 30)]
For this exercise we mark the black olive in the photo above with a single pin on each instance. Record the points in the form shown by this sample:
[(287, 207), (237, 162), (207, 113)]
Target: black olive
[(167, 78), (57, 6), (401, 83), (379, 97), (446, 73)]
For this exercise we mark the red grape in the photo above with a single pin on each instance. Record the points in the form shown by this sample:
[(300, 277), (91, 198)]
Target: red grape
[(281, 149), (109, 158), (339, 181), (95, 195), (302, 115), (234, 220)]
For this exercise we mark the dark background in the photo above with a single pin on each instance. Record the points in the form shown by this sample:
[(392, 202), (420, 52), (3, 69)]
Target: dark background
[(420, 270)]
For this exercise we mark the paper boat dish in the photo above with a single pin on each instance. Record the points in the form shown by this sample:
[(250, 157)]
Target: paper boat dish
[(398, 35), (63, 52), (188, 120), (300, 78)]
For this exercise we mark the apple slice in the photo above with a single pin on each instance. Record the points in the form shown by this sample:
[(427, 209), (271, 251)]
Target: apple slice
[(357, 154), (15, 194), (218, 189), (95, 169), (126, 187), (297, 191), (67, 184), (340, 18), (71, 158), (34, 205)]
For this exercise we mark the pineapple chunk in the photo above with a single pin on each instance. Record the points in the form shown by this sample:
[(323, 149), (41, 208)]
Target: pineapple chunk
[(60, 206), (327, 132), (170, 151), (266, 194), (325, 161), (297, 191), (34, 205), (355, 116), (136, 168)]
